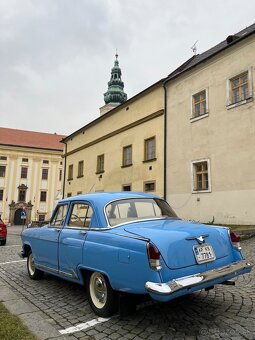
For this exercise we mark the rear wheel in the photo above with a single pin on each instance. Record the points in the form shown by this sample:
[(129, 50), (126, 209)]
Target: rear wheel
[(33, 272), (3, 242), (102, 298)]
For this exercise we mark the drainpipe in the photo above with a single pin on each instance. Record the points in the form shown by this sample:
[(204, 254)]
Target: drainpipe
[(165, 138), (64, 175)]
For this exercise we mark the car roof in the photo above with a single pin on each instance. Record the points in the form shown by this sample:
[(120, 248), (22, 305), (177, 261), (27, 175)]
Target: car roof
[(105, 197)]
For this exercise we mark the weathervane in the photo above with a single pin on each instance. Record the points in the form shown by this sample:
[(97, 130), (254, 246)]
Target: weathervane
[(194, 48)]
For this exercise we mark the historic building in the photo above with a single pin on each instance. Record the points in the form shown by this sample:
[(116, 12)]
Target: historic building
[(30, 174), (123, 148), (210, 158)]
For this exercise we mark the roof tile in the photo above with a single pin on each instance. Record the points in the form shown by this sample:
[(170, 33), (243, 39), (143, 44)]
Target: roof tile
[(31, 139)]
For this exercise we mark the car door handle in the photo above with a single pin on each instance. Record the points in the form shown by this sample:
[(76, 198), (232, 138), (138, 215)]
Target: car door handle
[(83, 232), (57, 230)]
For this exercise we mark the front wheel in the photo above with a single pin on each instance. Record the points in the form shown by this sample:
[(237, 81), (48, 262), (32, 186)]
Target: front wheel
[(34, 273), (102, 298), (3, 242)]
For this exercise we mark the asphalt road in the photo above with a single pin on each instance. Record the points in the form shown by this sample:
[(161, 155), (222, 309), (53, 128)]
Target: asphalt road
[(54, 308)]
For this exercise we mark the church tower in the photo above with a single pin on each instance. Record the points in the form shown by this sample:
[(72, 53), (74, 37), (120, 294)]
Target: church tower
[(115, 94)]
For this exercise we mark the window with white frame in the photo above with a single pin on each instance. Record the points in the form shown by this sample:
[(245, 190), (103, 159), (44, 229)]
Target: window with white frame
[(239, 88), (199, 104), (201, 176)]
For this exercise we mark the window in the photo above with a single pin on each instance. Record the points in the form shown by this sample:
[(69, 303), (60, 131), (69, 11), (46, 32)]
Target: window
[(1, 194), (125, 210), (149, 186), (45, 174), (43, 196), (23, 173), (41, 218), (126, 187), (201, 176), (239, 88), (127, 156), (199, 104), (24, 160), (79, 192), (22, 195), (3, 158), (59, 216), (80, 168), (60, 175), (70, 172), (69, 194), (2, 171), (150, 149), (100, 164), (81, 215), (45, 161)]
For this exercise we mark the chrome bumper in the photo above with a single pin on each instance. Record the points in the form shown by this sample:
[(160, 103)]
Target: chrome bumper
[(175, 285)]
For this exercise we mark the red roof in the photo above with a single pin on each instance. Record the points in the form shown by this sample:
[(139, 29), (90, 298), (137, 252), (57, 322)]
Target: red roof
[(31, 139)]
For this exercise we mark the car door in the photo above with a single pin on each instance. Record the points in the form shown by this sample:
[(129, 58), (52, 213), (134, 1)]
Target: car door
[(72, 238), (47, 243)]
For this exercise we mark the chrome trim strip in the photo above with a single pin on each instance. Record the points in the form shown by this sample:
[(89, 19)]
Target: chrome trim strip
[(49, 269), (52, 270), (196, 237), (181, 283)]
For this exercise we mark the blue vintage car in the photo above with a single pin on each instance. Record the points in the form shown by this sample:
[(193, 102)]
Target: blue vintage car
[(120, 243)]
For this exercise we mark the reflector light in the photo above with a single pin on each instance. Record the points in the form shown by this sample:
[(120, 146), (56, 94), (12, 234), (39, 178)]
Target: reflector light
[(154, 253), (153, 256), (234, 237)]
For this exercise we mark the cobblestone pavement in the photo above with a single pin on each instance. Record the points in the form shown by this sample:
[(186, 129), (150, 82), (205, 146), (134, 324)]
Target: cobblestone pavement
[(226, 312)]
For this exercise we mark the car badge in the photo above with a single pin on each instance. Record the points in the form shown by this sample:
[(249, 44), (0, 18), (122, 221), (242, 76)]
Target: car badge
[(200, 239)]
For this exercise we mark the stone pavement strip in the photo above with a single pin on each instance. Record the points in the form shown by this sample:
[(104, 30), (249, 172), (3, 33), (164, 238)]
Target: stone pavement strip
[(29, 314)]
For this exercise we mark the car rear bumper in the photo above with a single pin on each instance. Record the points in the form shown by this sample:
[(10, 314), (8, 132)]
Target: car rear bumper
[(204, 279)]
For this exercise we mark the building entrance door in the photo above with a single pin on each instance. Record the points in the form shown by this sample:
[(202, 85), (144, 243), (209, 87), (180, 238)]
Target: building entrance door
[(17, 217)]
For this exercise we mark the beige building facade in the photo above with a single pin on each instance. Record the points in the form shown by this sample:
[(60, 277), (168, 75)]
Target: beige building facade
[(121, 150), (30, 174), (210, 158)]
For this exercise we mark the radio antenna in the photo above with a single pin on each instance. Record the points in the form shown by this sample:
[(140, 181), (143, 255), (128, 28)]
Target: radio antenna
[(194, 48)]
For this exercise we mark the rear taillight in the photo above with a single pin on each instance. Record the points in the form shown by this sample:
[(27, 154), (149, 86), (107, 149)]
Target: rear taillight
[(235, 240), (153, 256)]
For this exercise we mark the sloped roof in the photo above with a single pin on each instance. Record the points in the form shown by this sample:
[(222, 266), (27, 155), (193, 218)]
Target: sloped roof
[(31, 139), (199, 58)]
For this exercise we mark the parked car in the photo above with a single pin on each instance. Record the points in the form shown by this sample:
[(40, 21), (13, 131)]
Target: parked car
[(3, 232), (130, 243)]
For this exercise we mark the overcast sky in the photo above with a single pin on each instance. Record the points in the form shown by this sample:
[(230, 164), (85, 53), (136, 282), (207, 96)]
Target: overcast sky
[(56, 55)]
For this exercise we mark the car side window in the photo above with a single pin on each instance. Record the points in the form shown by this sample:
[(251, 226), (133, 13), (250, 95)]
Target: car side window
[(59, 216), (81, 215)]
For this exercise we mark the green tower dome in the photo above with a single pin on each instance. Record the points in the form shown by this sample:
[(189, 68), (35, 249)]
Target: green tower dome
[(115, 93)]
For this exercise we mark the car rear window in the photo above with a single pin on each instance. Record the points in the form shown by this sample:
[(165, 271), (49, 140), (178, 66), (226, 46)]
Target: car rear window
[(134, 209)]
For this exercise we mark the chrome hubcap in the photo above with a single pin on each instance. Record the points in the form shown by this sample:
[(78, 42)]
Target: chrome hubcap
[(98, 290), (31, 264)]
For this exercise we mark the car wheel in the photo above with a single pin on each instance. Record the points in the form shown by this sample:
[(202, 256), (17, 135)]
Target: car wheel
[(102, 298), (34, 273), (3, 242)]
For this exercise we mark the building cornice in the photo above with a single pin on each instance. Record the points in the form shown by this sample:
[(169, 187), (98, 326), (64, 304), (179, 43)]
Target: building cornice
[(116, 132)]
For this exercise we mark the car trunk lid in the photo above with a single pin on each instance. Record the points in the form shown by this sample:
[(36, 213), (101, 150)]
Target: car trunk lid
[(178, 241)]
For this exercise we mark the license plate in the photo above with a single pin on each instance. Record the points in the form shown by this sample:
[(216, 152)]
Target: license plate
[(204, 253)]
